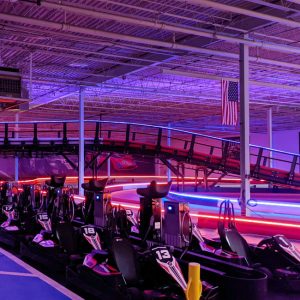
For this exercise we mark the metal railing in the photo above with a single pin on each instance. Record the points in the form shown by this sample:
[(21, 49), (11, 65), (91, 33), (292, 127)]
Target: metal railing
[(283, 163)]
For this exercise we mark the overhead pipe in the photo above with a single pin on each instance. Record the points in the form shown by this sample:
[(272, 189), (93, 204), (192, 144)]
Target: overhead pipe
[(165, 13), (105, 34), (117, 36), (243, 11), (166, 71), (206, 76), (275, 6), (164, 26), (212, 52), (295, 1), (214, 77), (87, 39), (214, 24), (81, 53), (87, 84)]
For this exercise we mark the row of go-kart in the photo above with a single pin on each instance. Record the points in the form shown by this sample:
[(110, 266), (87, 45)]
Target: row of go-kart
[(110, 252)]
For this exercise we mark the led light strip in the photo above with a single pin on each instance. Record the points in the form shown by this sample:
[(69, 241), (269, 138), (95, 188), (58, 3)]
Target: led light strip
[(259, 202), (140, 176), (253, 221), (126, 205), (215, 217), (213, 198)]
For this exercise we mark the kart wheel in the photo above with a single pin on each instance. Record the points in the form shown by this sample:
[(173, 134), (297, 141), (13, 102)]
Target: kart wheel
[(134, 294), (266, 271)]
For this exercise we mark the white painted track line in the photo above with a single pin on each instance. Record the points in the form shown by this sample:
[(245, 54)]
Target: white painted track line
[(36, 273)]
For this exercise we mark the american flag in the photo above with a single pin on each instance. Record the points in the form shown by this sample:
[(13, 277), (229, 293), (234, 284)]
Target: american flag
[(230, 96)]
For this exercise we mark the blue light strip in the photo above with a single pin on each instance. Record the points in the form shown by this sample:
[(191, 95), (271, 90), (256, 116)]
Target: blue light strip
[(258, 202), (199, 196)]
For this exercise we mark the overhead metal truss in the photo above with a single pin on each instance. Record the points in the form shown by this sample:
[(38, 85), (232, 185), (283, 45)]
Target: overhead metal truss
[(128, 69)]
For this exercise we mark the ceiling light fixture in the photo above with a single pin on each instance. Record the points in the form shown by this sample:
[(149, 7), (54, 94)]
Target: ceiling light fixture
[(78, 65)]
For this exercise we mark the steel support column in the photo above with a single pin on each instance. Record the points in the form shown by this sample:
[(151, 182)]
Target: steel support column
[(108, 167), (169, 176), (16, 157), (244, 128), (30, 76), (81, 142), (270, 135)]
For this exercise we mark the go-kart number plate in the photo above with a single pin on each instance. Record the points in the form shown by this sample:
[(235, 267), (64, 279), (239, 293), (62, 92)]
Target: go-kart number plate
[(43, 217), (168, 262), (7, 207), (129, 212), (89, 230), (163, 255)]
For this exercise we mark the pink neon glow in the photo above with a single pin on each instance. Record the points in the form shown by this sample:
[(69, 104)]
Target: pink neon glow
[(126, 205), (78, 197), (215, 217), (192, 179), (253, 221), (131, 184), (125, 184)]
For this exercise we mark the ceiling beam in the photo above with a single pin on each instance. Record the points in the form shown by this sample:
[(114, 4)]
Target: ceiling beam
[(190, 31), (157, 43), (246, 12), (210, 52), (213, 77), (275, 6)]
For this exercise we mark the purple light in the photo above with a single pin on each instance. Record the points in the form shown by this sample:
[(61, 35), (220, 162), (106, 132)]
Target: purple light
[(259, 202)]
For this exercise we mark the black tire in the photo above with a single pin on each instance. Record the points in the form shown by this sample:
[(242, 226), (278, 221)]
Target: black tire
[(266, 271), (134, 294)]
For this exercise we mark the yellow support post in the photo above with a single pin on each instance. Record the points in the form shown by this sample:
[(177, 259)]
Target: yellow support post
[(194, 286)]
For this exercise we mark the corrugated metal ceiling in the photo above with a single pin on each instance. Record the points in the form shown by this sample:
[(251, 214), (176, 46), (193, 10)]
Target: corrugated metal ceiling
[(125, 80)]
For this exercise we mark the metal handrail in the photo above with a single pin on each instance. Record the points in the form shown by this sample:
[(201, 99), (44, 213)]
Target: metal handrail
[(152, 126)]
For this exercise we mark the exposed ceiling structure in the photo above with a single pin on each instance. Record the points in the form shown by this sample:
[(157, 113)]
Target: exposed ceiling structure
[(153, 61)]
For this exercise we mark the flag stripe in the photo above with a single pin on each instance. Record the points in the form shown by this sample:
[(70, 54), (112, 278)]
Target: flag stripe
[(229, 94)]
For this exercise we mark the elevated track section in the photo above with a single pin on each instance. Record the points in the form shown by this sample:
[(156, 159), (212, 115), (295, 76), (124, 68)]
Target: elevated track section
[(38, 139)]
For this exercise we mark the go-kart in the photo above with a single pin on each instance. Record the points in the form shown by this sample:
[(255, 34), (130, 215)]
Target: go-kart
[(51, 248), (93, 274), (223, 268), (276, 256), (58, 240), (129, 272), (19, 216)]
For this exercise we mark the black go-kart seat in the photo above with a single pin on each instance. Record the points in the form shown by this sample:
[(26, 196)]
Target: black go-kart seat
[(69, 241), (233, 241), (126, 260), (154, 190), (67, 237), (56, 181), (95, 185)]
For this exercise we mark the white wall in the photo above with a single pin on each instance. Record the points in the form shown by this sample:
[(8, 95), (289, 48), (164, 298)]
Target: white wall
[(282, 140)]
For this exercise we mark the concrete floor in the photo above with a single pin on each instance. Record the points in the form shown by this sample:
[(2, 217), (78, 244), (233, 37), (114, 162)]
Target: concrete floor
[(19, 281)]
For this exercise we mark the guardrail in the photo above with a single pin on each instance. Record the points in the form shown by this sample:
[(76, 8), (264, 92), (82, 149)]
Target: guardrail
[(284, 164)]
